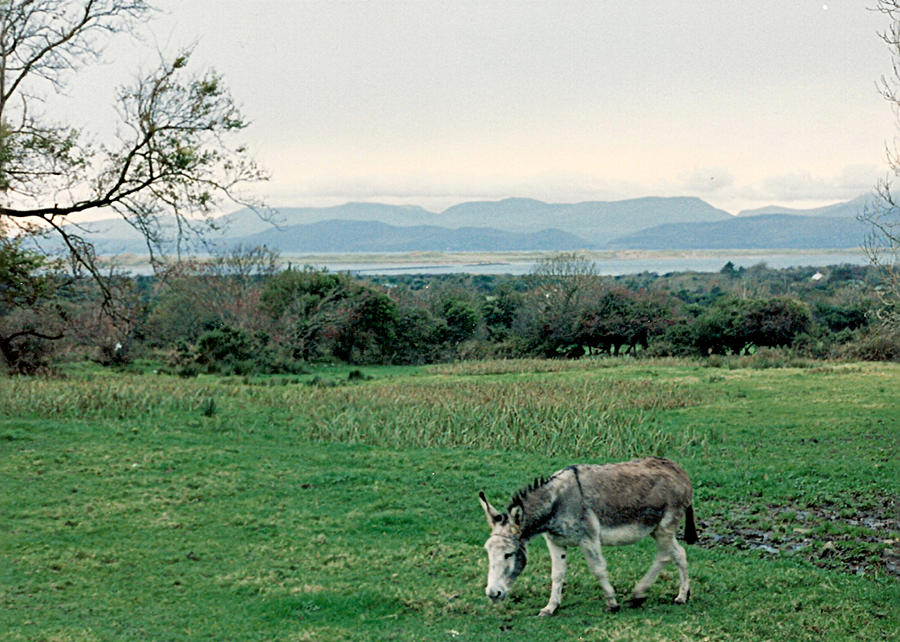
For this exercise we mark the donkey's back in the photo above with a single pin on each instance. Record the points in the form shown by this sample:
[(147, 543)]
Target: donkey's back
[(640, 494)]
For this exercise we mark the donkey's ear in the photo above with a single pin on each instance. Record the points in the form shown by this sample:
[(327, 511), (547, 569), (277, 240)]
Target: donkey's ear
[(489, 511), (516, 517)]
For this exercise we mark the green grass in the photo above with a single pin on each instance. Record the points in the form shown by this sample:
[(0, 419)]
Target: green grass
[(141, 506)]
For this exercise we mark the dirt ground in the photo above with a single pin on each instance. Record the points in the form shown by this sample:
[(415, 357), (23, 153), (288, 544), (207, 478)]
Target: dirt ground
[(865, 541)]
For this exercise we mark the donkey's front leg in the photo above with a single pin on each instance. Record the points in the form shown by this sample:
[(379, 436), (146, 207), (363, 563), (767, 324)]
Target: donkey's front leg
[(557, 575), (597, 564)]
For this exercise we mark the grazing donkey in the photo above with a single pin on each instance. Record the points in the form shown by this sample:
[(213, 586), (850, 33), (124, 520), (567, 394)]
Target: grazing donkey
[(590, 506)]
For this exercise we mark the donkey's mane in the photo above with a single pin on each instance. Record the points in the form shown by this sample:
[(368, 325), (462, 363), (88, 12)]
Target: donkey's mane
[(518, 499)]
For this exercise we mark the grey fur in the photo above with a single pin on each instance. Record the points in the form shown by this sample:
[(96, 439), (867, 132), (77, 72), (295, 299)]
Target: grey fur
[(590, 506)]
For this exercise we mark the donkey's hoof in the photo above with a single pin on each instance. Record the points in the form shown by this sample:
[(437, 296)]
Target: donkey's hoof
[(687, 596), (612, 608), (546, 612), (635, 602)]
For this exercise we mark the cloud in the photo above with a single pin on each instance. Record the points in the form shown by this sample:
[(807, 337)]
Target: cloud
[(852, 181), (720, 186), (458, 187)]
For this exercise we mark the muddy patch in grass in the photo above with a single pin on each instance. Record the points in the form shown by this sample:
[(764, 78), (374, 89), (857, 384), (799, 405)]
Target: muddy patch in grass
[(863, 541)]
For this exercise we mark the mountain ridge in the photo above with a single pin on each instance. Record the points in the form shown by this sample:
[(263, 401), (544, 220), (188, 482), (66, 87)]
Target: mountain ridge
[(340, 236), (762, 231), (596, 221), (844, 209), (646, 222)]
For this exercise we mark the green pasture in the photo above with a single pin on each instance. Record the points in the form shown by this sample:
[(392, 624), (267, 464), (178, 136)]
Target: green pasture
[(342, 505)]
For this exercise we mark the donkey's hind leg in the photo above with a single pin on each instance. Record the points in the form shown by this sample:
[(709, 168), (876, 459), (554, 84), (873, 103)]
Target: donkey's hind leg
[(684, 583), (667, 550), (659, 562)]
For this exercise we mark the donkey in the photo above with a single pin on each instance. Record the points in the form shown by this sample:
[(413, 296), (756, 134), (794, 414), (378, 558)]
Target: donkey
[(591, 506)]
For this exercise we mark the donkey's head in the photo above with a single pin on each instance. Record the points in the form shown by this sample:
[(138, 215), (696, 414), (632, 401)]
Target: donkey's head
[(505, 548)]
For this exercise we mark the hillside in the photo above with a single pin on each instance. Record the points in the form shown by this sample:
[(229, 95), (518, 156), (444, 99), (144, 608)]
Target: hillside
[(370, 236), (244, 222), (785, 231), (848, 209)]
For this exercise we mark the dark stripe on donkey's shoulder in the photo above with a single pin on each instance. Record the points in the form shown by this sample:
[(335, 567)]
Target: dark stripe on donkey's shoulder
[(574, 470)]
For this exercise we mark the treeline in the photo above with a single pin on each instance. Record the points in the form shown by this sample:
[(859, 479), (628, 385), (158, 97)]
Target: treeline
[(242, 313)]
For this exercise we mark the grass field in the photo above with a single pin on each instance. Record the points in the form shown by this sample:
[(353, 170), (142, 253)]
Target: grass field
[(330, 507)]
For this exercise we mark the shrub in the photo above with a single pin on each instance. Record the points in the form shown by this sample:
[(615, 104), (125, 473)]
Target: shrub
[(731, 324), (32, 356), (678, 340), (461, 319), (188, 370), (232, 351), (815, 347), (223, 345), (875, 344)]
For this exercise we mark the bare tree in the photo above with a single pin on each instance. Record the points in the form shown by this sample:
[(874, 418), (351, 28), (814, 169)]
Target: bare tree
[(882, 214), (171, 156), (565, 279), (225, 288), (562, 285)]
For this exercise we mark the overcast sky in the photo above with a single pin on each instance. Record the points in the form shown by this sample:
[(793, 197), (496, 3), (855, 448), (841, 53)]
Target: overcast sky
[(740, 103)]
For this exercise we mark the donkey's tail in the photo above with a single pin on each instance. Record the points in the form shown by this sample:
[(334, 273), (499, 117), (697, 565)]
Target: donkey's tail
[(690, 529)]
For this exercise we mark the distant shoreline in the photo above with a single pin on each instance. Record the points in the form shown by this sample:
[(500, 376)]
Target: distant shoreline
[(608, 261), (535, 256)]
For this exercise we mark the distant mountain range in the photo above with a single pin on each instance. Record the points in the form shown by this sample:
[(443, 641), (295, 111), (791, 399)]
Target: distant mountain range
[(847, 209), (764, 231), (597, 222), (342, 236), (521, 224)]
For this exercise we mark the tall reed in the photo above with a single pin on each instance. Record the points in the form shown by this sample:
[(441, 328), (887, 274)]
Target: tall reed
[(123, 397), (576, 417), (578, 414)]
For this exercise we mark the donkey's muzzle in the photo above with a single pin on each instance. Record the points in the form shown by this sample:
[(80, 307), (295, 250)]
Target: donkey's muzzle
[(495, 594)]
